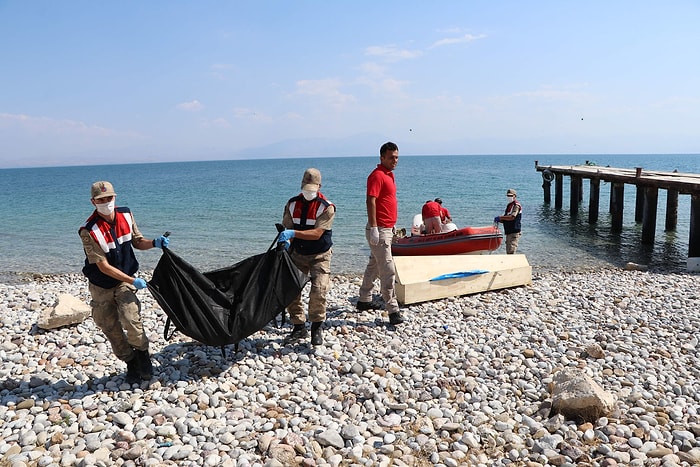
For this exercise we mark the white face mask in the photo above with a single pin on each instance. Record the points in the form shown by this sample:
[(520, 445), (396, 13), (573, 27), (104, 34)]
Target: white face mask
[(510, 199), (309, 194), (105, 208)]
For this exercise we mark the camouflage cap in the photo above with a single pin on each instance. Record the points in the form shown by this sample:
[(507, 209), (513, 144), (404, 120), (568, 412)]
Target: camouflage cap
[(311, 180), (101, 190)]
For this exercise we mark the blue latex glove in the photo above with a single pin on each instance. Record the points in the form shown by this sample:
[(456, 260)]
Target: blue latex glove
[(496, 220), (285, 235), (139, 283), (162, 242)]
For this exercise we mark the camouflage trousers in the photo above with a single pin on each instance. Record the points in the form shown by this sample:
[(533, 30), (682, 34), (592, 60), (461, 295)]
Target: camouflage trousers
[(319, 268), (512, 242), (117, 312)]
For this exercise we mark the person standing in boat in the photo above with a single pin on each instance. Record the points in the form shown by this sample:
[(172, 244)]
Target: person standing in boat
[(431, 217), (511, 221), (382, 213), (308, 218)]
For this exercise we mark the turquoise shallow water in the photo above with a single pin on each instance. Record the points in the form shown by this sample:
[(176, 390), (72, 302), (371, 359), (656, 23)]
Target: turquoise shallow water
[(220, 212)]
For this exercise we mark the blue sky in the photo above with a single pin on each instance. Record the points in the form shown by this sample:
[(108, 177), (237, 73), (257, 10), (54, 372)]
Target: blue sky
[(86, 82)]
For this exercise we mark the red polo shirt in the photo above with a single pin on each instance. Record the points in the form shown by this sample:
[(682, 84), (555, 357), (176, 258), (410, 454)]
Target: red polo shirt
[(381, 185), (430, 209)]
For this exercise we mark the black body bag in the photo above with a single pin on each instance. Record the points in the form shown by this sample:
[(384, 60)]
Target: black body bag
[(226, 305)]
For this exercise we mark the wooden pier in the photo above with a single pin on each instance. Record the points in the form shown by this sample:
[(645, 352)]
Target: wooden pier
[(647, 183)]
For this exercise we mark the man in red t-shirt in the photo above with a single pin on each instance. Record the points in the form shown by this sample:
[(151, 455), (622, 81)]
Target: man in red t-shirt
[(382, 212), (431, 217)]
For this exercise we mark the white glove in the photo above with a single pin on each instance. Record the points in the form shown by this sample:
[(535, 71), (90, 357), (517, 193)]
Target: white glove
[(374, 236)]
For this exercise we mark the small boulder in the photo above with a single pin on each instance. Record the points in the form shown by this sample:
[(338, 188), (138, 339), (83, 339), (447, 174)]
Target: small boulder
[(330, 438), (283, 453), (67, 311), (594, 351), (577, 396)]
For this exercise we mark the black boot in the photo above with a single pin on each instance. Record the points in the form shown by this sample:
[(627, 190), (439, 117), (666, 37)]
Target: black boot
[(145, 365), (133, 370), (395, 318), (299, 332), (316, 333)]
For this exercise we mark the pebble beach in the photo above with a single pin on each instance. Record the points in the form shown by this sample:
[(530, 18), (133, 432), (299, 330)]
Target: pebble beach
[(464, 382)]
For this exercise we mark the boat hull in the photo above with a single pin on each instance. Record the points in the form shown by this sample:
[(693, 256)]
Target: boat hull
[(468, 240)]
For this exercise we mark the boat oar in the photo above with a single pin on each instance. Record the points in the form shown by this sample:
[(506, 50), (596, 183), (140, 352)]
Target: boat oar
[(457, 275)]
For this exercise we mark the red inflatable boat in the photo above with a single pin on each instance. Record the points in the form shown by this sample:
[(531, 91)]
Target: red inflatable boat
[(461, 241)]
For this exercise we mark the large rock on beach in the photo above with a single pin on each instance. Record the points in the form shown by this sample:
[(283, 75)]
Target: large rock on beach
[(67, 311), (578, 397)]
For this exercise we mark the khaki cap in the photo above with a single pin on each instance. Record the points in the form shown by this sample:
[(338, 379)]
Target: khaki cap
[(311, 180), (101, 190)]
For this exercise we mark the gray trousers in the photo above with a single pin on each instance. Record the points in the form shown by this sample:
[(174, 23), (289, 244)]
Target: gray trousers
[(380, 266)]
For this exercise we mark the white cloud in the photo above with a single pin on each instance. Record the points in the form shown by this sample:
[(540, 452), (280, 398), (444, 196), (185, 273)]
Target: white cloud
[(45, 125), (456, 40), (452, 31), (385, 86), (392, 52), (29, 140), (375, 77), (192, 106), (327, 89), (373, 69), (218, 70), (293, 116), (574, 93)]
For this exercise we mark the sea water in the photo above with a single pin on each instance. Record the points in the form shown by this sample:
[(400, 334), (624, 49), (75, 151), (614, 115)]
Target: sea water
[(220, 212)]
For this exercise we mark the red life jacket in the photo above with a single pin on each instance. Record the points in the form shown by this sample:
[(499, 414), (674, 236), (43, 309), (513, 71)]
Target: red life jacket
[(115, 241), (304, 214), (514, 225)]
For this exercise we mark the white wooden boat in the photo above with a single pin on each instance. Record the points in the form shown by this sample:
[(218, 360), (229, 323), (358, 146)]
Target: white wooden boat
[(424, 278)]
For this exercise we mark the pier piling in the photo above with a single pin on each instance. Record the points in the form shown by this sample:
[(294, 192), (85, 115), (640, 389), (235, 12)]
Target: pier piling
[(651, 195), (639, 204), (558, 189), (671, 210), (575, 197), (593, 201), (617, 205)]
